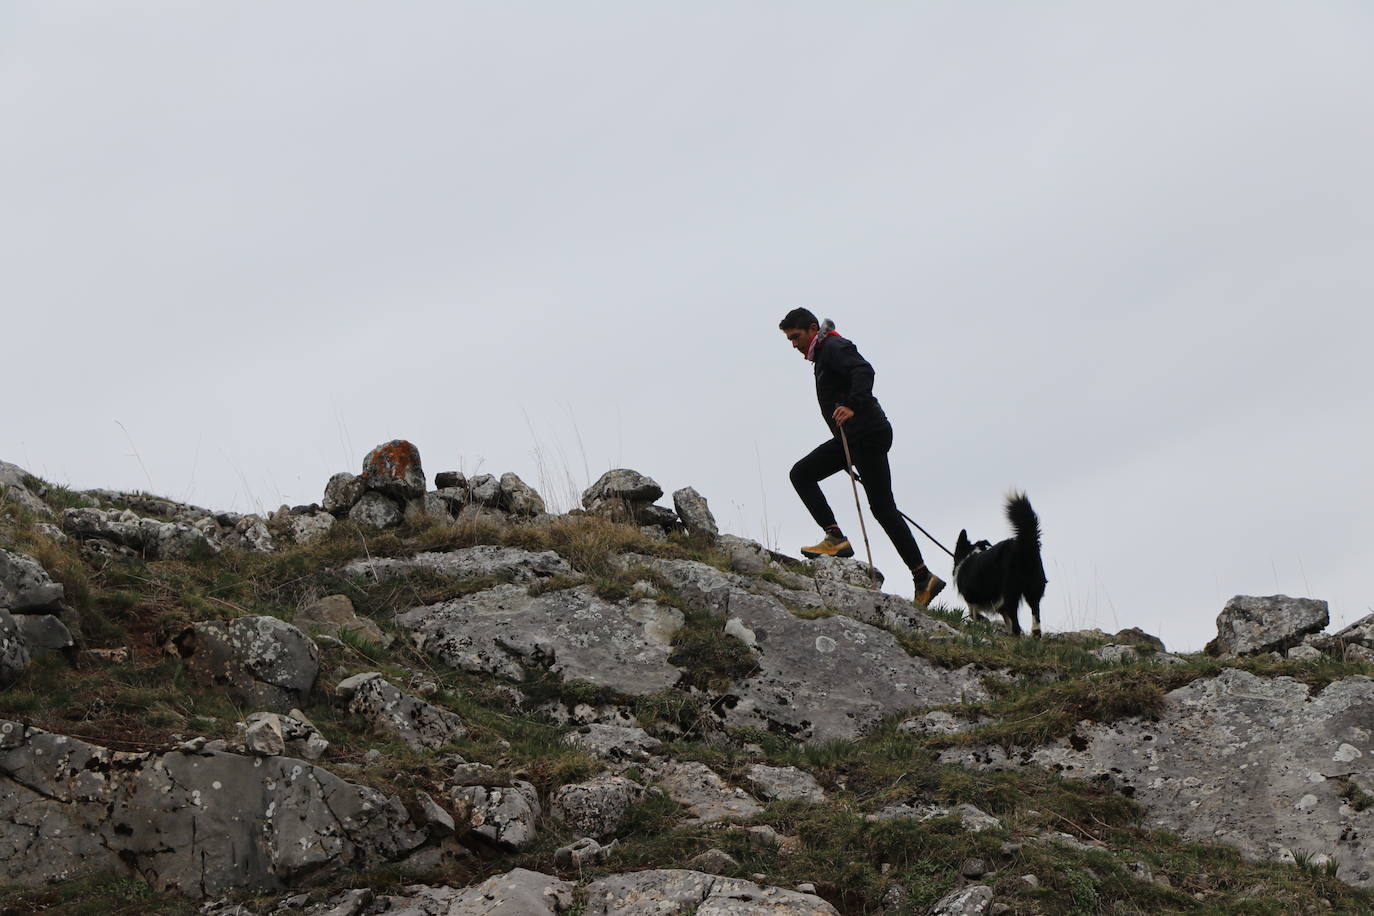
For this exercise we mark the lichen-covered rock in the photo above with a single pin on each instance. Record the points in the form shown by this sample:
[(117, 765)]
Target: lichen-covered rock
[(518, 497), (673, 890), (784, 784), (622, 484), (262, 661), (308, 527), (485, 490), (342, 493), (516, 893), (596, 807), (196, 822), (421, 725), (974, 900), (704, 794), (505, 815), (485, 561), (25, 586), (972, 819), (694, 512), (145, 536), (1264, 764), (393, 468), (377, 510), (580, 853), (571, 632), (270, 734), (14, 654), (613, 742), (1252, 626), (832, 678), (44, 632), (251, 533)]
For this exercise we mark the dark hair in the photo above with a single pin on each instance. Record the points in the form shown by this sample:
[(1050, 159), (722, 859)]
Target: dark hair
[(797, 319)]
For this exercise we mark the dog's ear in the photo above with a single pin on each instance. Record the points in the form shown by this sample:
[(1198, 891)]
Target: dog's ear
[(961, 546)]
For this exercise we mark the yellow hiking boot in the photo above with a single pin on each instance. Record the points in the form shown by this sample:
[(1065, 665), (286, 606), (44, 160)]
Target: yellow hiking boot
[(832, 546), (927, 590)]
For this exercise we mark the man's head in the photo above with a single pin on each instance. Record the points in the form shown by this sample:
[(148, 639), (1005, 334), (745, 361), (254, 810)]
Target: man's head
[(800, 327)]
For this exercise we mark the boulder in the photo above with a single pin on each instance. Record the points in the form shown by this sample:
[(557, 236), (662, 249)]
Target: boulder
[(673, 890), (614, 742), (421, 725), (622, 484), (1361, 633), (518, 497), (148, 537), (784, 784), (581, 853), (450, 479), (974, 900), (485, 490), (507, 816), (25, 586), (251, 533), (377, 510), (705, 795), (695, 514), (393, 468), (832, 678), (44, 632), (516, 893), (197, 822), (484, 561), (1264, 764), (261, 661), (14, 654), (1252, 626), (571, 632), (305, 528), (595, 808), (342, 493), (334, 614), (270, 734)]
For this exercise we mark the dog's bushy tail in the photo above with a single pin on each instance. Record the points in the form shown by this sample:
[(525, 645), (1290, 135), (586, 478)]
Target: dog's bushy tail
[(1023, 520)]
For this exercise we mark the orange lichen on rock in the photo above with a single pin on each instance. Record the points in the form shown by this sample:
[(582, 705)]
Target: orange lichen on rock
[(394, 468)]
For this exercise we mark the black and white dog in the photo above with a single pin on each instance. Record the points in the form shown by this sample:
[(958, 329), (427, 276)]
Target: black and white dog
[(993, 578)]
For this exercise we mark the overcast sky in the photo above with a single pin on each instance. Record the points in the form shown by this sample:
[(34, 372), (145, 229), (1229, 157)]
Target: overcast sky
[(1118, 255)]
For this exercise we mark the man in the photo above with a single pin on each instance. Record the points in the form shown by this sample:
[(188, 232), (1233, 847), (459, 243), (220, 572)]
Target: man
[(844, 388)]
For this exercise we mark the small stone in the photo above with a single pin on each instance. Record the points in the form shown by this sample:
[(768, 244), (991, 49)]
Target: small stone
[(446, 479), (973, 868), (714, 861), (807, 888)]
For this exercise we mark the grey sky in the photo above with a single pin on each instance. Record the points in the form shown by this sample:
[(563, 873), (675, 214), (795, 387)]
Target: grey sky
[(1116, 254)]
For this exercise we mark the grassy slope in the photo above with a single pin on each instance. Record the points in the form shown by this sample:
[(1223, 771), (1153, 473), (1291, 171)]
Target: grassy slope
[(147, 702)]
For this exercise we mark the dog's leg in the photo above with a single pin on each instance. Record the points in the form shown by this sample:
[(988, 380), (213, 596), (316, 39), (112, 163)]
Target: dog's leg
[(1011, 606), (1033, 602)]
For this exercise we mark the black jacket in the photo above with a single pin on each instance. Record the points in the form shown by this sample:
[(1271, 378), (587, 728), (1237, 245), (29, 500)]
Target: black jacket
[(844, 378)]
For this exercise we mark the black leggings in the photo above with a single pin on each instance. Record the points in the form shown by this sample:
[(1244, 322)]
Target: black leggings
[(870, 458)]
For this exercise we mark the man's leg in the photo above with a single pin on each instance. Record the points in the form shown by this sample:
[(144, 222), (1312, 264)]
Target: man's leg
[(824, 460), (870, 457)]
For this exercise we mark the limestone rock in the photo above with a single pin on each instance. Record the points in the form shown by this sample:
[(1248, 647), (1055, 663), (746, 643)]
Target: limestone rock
[(516, 893), (393, 468), (694, 512), (252, 533), (270, 734), (14, 654), (421, 725), (377, 510), (1253, 626), (968, 901), (614, 742), (450, 479), (518, 497), (595, 807), (847, 571), (43, 632), (480, 562), (704, 794), (832, 678), (785, 784), (1117, 655), (25, 586), (485, 490), (935, 722), (582, 853), (145, 536), (308, 527), (261, 661), (572, 632), (622, 484), (1259, 763), (342, 493), (505, 815), (334, 614), (196, 822), (971, 818), (672, 890)]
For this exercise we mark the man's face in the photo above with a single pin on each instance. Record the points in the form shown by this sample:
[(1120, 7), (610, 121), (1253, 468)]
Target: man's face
[(800, 339)]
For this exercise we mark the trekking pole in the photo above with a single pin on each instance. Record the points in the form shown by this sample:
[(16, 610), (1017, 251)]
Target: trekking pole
[(913, 522), (854, 483)]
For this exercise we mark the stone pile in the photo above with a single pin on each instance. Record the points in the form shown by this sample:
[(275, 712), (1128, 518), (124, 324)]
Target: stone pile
[(32, 614)]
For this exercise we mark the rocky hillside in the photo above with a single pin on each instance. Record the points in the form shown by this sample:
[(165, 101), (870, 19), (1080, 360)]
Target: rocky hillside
[(445, 700)]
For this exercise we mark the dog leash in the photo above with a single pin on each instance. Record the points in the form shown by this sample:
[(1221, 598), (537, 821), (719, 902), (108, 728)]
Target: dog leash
[(854, 475)]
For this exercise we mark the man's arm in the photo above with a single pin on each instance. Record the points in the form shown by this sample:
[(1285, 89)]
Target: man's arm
[(847, 361)]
